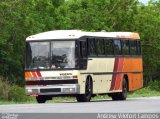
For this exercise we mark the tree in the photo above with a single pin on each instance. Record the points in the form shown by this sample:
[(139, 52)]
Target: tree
[(21, 18)]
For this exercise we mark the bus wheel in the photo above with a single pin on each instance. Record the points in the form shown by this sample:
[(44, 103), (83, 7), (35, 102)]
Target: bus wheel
[(88, 92), (41, 99), (122, 95)]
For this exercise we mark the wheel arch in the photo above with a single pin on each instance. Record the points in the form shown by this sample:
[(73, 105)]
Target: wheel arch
[(89, 77), (127, 80)]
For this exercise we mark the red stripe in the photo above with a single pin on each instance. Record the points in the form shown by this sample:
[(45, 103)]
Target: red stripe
[(114, 75), (34, 74), (39, 74), (118, 80), (119, 76)]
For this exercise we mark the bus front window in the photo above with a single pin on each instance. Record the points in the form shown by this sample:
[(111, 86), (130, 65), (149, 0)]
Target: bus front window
[(63, 54), (37, 55), (50, 55)]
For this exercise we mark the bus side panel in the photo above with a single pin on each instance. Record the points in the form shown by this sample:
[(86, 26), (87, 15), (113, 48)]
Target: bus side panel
[(132, 67), (135, 72), (100, 69), (135, 81), (108, 73)]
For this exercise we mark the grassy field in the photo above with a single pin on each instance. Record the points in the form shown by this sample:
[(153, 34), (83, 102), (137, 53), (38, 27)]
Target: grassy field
[(145, 92)]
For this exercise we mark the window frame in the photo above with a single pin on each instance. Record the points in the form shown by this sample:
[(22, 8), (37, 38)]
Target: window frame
[(127, 41), (120, 50), (109, 41), (135, 46), (100, 41)]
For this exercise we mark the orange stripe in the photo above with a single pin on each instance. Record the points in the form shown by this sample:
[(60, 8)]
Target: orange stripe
[(28, 75)]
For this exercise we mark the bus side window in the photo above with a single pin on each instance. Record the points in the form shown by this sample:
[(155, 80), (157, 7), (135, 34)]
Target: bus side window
[(138, 48), (83, 47), (133, 47), (125, 47), (109, 46), (83, 54), (100, 46), (91, 46), (117, 46)]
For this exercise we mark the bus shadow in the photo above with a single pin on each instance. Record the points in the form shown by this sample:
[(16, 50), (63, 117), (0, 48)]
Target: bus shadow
[(92, 101), (100, 100)]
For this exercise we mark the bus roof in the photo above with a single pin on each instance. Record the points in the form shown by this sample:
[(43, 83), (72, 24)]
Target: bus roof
[(75, 34)]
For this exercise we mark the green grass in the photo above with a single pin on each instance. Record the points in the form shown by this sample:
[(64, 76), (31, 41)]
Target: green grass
[(29, 101), (145, 92)]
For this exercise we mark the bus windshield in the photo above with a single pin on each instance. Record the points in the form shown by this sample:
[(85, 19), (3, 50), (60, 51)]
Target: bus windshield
[(50, 55)]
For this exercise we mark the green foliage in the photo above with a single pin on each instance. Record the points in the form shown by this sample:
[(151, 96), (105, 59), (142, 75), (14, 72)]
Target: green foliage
[(4, 89), (17, 94), (21, 18), (18, 20), (12, 93), (154, 85), (145, 92)]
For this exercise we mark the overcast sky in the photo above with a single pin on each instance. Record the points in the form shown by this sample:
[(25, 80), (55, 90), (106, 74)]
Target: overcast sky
[(144, 1)]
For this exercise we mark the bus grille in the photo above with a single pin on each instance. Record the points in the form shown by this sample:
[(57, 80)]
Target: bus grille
[(50, 90)]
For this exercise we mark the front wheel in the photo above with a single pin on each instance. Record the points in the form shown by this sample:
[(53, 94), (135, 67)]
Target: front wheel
[(88, 92), (41, 99)]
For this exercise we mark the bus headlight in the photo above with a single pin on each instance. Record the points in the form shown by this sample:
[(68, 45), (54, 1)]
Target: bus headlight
[(68, 90), (29, 91)]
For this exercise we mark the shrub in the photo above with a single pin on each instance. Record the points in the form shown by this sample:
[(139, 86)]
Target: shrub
[(4, 89), (17, 94), (13, 92), (154, 85)]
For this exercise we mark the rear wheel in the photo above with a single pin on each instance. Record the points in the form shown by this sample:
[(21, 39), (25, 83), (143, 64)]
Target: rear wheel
[(88, 92), (122, 95)]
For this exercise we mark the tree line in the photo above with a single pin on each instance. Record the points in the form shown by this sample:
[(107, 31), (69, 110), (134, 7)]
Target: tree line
[(21, 18)]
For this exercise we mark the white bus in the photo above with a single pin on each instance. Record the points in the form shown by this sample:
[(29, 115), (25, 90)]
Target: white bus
[(82, 64)]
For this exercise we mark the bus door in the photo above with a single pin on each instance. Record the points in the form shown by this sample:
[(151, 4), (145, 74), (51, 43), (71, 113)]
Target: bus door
[(82, 54)]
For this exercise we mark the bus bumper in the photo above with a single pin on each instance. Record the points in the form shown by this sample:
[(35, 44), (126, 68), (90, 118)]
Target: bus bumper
[(53, 90)]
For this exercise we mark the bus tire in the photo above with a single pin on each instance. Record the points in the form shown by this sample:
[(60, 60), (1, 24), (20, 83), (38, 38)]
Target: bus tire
[(122, 95), (41, 99), (88, 92)]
